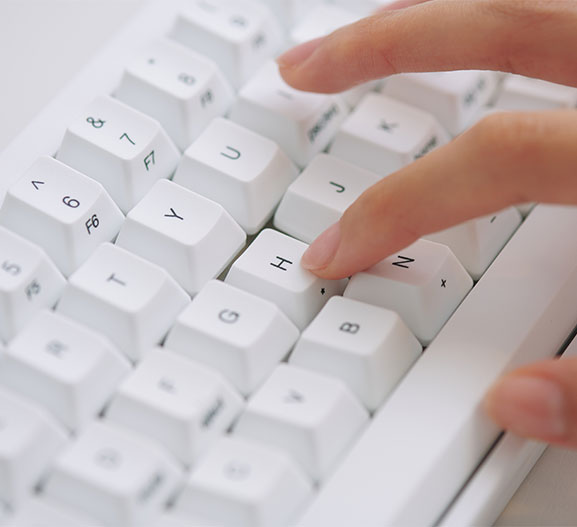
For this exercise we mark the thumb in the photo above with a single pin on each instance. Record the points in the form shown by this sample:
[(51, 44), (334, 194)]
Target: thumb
[(538, 401)]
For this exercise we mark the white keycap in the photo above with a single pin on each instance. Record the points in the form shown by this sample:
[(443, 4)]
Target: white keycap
[(64, 367), (424, 283), (128, 299), (320, 21), (239, 35), (453, 97), (320, 195), (39, 512), (179, 403), (180, 88), (241, 335), (313, 417), (243, 171), (476, 242), (169, 519), (524, 93), (190, 236), (370, 348), (270, 268), (383, 135), (420, 451), (301, 123), (244, 484), (61, 210), (29, 441), (121, 148), (118, 478), (4, 514), (29, 281), (291, 12)]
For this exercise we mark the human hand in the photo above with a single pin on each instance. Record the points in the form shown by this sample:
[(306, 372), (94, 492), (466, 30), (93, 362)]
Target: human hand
[(509, 158)]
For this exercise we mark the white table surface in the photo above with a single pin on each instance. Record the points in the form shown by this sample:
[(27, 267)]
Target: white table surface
[(43, 43)]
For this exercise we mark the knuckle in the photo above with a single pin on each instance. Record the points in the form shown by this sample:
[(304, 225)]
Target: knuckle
[(362, 45), (526, 13)]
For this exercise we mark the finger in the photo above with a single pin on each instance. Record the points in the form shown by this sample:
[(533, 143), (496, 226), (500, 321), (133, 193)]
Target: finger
[(538, 401), (507, 158), (532, 38), (400, 4)]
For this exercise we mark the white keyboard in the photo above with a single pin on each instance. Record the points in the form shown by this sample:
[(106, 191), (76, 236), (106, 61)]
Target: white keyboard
[(137, 390)]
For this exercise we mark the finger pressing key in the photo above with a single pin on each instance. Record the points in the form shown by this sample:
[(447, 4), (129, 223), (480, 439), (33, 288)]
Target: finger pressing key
[(478, 173)]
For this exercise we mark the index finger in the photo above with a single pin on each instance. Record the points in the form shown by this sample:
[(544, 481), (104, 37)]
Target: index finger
[(506, 159), (537, 39)]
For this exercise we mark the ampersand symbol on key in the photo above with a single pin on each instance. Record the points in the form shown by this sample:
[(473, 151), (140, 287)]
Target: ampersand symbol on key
[(96, 123)]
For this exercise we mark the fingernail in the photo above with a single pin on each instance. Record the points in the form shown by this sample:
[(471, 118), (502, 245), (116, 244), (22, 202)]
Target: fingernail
[(528, 406), (298, 54), (323, 249)]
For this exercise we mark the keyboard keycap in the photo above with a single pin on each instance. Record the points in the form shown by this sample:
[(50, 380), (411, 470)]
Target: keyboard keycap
[(180, 88), (239, 35), (524, 93), (29, 440), (383, 135), (180, 404), (121, 148), (61, 210), (320, 195), (244, 484), (476, 242), (370, 348), (190, 236), (239, 334), (301, 123), (38, 512), (126, 298), (243, 171), (64, 367), (29, 282), (114, 476), (169, 519), (291, 12), (320, 21), (424, 283), (270, 268), (453, 97), (313, 417)]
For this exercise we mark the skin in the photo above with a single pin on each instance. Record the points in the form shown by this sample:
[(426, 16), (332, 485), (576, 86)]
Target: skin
[(509, 158)]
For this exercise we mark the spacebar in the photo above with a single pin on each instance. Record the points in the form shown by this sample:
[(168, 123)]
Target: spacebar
[(429, 436)]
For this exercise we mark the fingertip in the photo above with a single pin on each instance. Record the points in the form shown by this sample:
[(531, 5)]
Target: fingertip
[(529, 406), (298, 54), (323, 249)]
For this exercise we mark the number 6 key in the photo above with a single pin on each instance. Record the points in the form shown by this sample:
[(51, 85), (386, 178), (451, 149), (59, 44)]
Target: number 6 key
[(61, 210)]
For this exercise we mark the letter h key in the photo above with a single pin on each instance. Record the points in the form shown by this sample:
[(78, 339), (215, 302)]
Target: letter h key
[(270, 268)]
